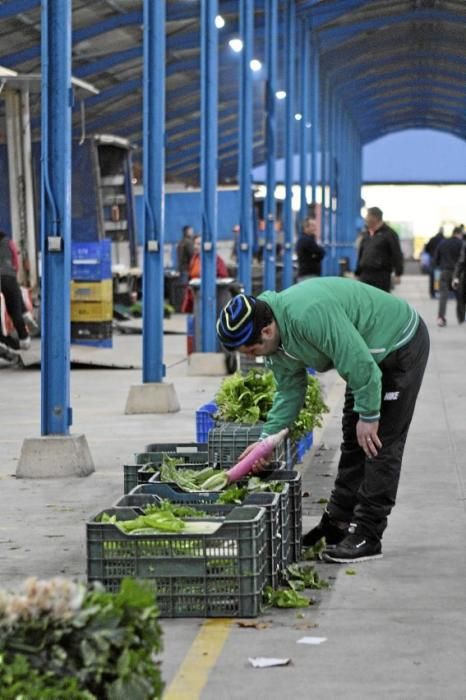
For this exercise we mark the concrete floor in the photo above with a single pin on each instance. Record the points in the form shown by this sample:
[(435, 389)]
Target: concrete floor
[(396, 629)]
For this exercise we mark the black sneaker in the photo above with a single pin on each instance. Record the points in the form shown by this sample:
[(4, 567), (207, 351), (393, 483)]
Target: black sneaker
[(353, 548), (333, 531)]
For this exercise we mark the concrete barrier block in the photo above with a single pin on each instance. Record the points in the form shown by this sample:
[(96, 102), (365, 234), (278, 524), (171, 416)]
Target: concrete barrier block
[(55, 456)]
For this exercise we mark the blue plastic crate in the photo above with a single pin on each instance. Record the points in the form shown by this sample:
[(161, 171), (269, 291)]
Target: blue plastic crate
[(205, 420), (303, 446), (102, 343), (91, 260), (91, 250)]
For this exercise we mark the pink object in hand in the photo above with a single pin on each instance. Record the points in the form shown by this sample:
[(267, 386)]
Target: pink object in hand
[(262, 450)]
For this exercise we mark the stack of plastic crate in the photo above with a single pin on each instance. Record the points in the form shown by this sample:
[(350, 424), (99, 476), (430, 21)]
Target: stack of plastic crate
[(205, 420), (145, 463), (218, 573), (91, 294)]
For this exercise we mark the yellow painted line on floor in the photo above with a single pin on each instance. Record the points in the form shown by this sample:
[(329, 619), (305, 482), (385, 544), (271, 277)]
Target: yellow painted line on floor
[(193, 673)]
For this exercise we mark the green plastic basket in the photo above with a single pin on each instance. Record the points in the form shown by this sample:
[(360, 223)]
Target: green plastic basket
[(153, 493), (216, 575), (227, 441)]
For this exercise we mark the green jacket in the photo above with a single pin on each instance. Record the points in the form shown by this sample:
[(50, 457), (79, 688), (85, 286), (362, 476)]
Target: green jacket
[(333, 322)]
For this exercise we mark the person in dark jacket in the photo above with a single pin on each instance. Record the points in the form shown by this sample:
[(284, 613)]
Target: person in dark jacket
[(459, 283), (184, 252), (431, 248), (379, 253), (12, 293), (309, 252), (446, 257)]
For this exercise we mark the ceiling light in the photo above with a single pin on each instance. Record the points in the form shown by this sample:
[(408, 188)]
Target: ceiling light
[(236, 45), (219, 22), (280, 94), (255, 65), (298, 116)]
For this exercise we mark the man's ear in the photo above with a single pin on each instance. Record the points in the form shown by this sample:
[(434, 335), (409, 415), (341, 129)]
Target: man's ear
[(268, 332)]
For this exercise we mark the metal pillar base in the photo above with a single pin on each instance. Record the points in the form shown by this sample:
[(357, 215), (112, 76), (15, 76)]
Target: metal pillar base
[(207, 364), (55, 456), (152, 398)]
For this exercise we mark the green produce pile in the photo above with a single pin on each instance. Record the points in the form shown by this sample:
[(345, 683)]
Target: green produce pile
[(167, 517), (248, 399), (208, 479), (59, 640), (236, 494)]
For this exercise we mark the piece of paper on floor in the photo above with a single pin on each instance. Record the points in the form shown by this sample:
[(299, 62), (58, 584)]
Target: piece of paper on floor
[(263, 662), (311, 640)]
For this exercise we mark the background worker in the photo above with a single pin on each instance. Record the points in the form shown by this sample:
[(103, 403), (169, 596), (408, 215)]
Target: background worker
[(309, 252), (379, 345), (184, 252), (430, 248), (459, 283), (445, 259), (194, 272), (11, 290), (379, 253)]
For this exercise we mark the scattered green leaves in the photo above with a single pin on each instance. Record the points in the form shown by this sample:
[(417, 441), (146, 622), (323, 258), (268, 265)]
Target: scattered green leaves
[(314, 553), (350, 572), (284, 598), (305, 576)]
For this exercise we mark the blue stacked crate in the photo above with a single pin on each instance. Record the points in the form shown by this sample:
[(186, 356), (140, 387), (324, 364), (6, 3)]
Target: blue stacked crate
[(303, 445), (91, 313), (205, 420)]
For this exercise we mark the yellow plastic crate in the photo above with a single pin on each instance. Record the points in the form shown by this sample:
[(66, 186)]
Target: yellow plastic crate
[(92, 291), (91, 310)]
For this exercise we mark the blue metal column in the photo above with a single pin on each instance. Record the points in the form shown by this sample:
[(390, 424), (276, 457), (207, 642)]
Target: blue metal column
[(289, 142), (323, 148), (305, 120), (56, 216), (209, 171), (270, 138), (154, 175), (331, 181), (314, 119), (245, 145), (338, 184)]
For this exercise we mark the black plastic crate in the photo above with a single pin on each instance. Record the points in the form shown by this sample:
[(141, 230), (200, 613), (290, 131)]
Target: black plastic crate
[(138, 473), (291, 453), (154, 493), (91, 330), (176, 447), (248, 362), (227, 441), (156, 458), (293, 479), (217, 575)]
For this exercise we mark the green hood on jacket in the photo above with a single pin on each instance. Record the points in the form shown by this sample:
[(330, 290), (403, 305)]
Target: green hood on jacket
[(333, 322)]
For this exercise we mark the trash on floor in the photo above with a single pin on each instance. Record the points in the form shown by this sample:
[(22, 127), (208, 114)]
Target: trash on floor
[(311, 640), (263, 662)]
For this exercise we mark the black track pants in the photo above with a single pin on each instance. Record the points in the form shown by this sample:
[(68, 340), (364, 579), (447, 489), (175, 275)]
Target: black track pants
[(365, 488), (14, 303)]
